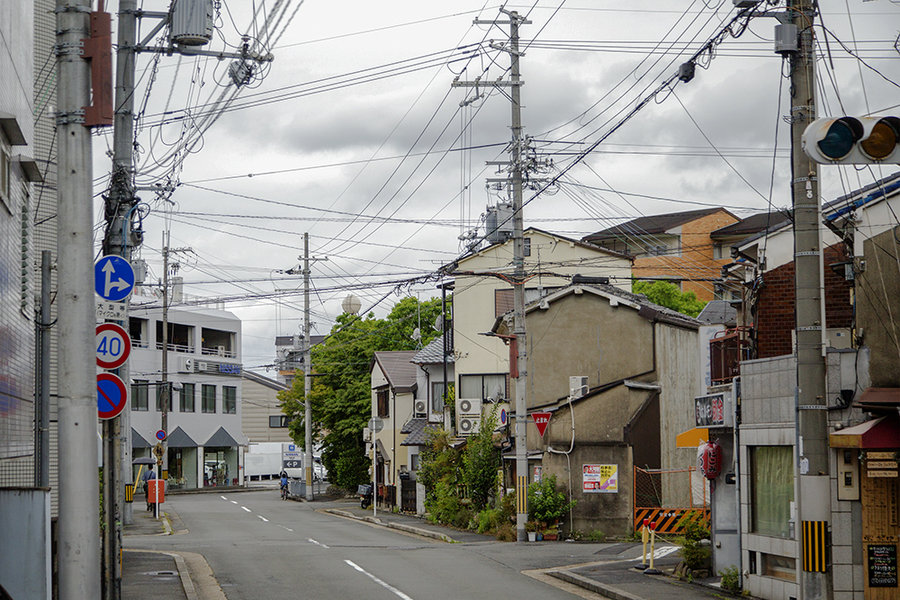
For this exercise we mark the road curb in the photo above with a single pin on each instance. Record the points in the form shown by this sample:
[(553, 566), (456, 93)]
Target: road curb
[(603, 589), (398, 526)]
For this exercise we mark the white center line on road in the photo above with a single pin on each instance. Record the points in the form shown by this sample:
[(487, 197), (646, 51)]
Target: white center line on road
[(247, 509), (263, 518), (312, 541), (223, 497), (234, 501), (383, 584), (288, 528)]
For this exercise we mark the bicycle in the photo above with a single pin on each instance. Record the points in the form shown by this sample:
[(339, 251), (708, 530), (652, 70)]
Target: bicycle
[(284, 492)]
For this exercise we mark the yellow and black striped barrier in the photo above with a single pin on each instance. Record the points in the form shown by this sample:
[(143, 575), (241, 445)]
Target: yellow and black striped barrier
[(129, 492), (814, 546), (668, 519), (521, 494)]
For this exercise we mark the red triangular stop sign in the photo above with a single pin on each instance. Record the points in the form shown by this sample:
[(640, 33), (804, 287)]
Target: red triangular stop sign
[(541, 420)]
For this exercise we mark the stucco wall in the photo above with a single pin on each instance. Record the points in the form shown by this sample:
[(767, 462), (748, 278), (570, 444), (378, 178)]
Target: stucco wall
[(878, 305)]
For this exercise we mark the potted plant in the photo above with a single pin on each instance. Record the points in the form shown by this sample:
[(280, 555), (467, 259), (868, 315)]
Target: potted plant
[(531, 528)]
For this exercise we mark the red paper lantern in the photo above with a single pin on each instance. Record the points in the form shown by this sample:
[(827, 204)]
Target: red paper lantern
[(710, 460)]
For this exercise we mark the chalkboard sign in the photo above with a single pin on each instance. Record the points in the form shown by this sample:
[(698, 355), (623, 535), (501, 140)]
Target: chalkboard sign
[(882, 565)]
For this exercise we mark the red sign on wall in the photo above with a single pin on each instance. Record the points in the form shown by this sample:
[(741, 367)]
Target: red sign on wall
[(541, 420)]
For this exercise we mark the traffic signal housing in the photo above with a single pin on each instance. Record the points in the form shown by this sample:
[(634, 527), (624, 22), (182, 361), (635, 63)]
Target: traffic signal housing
[(853, 140)]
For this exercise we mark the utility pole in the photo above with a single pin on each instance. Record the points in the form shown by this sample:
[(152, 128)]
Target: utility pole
[(307, 377), (120, 238), (42, 412), (516, 167), (79, 542), (814, 490)]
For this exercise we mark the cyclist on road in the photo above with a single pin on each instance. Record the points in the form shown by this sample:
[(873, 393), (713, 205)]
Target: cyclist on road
[(284, 484)]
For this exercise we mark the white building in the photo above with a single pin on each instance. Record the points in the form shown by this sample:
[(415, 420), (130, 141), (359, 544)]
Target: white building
[(205, 441)]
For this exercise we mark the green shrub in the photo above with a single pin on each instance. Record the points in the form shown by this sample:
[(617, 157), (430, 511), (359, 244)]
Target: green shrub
[(488, 520), (506, 532), (545, 503), (695, 555), (731, 579)]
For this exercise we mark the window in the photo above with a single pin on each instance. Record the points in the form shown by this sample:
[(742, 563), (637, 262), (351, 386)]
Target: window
[(527, 249), (483, 386), (718, 251), (772, 490), (229, 400), (139, 395), (437, 398), (279, 421), (186, 397), (137, 330), (383, 406), (208, 400), (780, 567)]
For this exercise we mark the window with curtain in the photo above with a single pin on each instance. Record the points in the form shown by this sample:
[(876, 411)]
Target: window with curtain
[(771, 490), (491, 386), (208, 400), (437, 397), (229, 400), (186, 397), (139, 400)]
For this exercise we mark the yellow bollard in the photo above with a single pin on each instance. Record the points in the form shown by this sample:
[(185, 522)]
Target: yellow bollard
[(652, 570), (644, 537)]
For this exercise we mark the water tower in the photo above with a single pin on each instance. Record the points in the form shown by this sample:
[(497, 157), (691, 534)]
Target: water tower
[(351, 305)]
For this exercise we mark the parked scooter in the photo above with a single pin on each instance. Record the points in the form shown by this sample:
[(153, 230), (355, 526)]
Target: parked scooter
[(365, 495)]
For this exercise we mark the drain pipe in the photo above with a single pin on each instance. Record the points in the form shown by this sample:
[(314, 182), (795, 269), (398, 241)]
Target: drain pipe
[(552, 450)]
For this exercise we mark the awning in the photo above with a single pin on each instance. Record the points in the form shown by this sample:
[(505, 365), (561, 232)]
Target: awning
[(137, 440), (221, 439), (883, 432), (879, 399), (692, 438), (179, 439)]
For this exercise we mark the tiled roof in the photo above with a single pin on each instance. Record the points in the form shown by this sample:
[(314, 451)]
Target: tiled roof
[(432, 353), (651, 224), (718, 312), (752, 224), (417, 430), (397, 368)]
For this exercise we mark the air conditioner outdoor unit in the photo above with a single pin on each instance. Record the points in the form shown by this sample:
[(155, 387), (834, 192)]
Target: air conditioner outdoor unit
[(221, 350), (578, 386), (420, 409), (468, 425), (468, 406)]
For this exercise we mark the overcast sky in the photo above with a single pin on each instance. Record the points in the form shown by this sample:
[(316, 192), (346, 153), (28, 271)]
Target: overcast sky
[(354, 135)]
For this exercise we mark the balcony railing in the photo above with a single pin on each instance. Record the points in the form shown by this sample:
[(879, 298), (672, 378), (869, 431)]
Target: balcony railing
[(176, 347), (727, 349), (218, 351)]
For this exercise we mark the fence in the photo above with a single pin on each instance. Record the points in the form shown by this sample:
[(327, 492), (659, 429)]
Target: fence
[(665, 497)]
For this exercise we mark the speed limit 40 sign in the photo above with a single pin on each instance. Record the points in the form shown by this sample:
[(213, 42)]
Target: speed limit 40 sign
[(113, 346)]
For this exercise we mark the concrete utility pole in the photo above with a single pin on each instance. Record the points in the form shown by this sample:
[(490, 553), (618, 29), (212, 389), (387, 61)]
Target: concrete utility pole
[(517, 168), (42, 411), (307, 377), (163, 388), (814, 490), (120, 239), (79, 542)]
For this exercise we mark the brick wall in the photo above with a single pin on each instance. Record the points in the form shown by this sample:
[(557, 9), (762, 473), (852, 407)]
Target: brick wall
[(775, 310)]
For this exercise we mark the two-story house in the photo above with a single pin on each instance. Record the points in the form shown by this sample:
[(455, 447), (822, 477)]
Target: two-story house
[(394, 391), (205, 441), (630, 358), (676, 247), (482, 292)]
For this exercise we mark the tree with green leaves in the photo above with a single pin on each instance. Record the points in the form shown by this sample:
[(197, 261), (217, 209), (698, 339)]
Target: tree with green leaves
[(481, 462), (668, 295), (341, 394)]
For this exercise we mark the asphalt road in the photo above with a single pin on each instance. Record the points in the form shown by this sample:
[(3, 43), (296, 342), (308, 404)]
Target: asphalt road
[(260, 547)]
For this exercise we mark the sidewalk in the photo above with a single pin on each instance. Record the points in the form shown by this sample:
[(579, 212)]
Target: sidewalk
[(150, 575), (612, 576)]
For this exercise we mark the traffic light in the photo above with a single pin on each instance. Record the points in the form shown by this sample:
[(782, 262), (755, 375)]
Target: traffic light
[(853, 140)]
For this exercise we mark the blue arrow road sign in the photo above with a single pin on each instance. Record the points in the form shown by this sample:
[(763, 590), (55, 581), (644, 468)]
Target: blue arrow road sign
[(113, 278), (111, 395)]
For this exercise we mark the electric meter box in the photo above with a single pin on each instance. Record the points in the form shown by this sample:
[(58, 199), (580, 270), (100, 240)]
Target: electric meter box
[(192, 22)]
